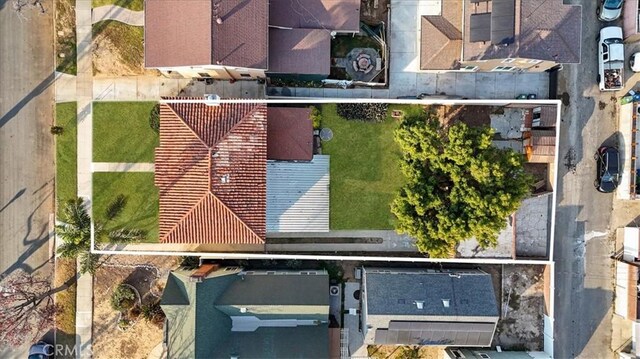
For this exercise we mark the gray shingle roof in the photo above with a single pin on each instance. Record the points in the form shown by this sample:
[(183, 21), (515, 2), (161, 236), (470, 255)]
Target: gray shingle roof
[(395, 292)]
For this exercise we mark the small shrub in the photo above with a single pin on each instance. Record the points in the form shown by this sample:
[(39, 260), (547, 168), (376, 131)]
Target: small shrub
[(316, 118), (124, 323), (368, 112), (153, 313), (115, 207), (57, 130), (190, 262), (135, 312), (154, 118), (123, 298)]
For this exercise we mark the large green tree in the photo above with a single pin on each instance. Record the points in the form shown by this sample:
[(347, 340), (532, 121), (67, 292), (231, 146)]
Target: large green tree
[(458, 186)]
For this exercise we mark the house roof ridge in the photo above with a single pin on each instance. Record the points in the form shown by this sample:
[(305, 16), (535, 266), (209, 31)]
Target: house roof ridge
[(184, 217), (244, 224), (186, 124)]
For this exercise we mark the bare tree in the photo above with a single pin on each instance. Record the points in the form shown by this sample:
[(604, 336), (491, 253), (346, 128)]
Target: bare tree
[(20, 6), (27, 309)]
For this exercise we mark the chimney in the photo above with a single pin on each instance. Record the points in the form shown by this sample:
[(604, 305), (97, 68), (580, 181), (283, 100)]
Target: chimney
[(445, 302), (202, 272)]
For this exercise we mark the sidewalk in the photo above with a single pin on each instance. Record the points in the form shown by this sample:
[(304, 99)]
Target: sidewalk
[(84, 89), (65, 87), (122, 167), (117, 13), (151, 88)]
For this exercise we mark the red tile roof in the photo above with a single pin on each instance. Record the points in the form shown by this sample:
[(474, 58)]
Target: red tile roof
[(289, 134), (211, 173)]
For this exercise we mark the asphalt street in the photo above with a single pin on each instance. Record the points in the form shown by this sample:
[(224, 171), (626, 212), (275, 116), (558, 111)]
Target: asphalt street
[(583, 239), (26, 145)]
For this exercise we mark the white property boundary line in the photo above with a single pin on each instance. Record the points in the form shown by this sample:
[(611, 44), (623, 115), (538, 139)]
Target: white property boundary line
[(425, 101)]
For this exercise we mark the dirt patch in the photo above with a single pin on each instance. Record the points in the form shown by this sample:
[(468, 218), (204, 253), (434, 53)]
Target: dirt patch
[(405, 352), (474, 116), (66, 36), (602, 105), (65, 272), (372, 12), (118, 50), (147, 275), (522, 307)]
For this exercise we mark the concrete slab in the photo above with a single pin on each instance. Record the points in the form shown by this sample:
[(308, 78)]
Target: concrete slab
[(379, 93), (402, 41), (426, 83), (344, 93), (505, 85), (486, 85), (361, 93), (403, 16), (316, 92), (232, 90), (65, 87), (330, 92), (532, 226), (466, 84), (533, 83), (252, 89), (126, 88), (148, 89), (405, 62), (103, 89), (446, 83), (302, 92), (402, 84)]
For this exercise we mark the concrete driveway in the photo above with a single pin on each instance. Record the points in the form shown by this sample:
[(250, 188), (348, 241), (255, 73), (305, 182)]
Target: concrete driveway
[(406, 78)]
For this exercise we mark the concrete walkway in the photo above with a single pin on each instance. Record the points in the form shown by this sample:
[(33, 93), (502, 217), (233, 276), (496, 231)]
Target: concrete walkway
[(391, 242), (84, 97), (151, 88), (474, 85), (122, 167), (65, 87), (117, 13)]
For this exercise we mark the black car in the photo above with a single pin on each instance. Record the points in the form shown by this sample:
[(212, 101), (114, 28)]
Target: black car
[(608, 169)]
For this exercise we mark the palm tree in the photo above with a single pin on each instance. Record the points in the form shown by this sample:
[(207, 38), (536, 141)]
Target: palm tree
[(75, 231)]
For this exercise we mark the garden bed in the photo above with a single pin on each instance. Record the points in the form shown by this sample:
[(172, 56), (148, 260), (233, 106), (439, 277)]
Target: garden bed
[(65, 271), (365, 169), (138, 340), (121, 132)]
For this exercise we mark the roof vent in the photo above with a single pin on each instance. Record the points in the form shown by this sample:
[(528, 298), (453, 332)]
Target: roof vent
[(445, 302), (419, 304), (243, 310), (218, 20), (212, 100), (454, 275), (225, 179)]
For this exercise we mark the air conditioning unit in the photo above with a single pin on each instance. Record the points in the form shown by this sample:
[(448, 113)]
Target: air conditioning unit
[(334, 290)]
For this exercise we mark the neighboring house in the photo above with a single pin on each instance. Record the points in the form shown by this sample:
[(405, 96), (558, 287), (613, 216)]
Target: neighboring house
[(428, 307), (228, 174), (500, 35), (230, 313), (245, 39), (630, 20), (627, 287)]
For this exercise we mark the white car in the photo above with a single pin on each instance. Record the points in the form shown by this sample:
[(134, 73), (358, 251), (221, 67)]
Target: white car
[(609, 10), (634, 62)]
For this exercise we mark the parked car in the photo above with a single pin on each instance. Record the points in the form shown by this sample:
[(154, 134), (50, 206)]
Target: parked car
[(610, 59), (41, 350), (609, 10), (608, 169), (634, 62)]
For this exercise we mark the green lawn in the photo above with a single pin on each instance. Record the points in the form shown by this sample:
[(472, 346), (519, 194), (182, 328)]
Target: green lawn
[(135, 5), (121, 132), (141, 210), (365, 170), (66, 153)]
